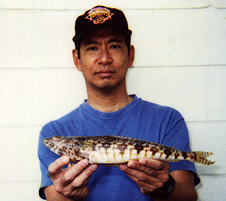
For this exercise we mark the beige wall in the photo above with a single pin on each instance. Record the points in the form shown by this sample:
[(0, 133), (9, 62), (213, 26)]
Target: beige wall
[(180, 62)]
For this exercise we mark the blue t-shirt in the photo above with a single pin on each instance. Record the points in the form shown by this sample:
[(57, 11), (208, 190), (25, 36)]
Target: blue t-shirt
[(140, 119)]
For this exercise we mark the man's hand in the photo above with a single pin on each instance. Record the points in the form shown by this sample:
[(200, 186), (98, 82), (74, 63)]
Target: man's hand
[(149, 174), (71, 182)]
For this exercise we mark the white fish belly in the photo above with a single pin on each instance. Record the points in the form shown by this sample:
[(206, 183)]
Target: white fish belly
[(113, 156)]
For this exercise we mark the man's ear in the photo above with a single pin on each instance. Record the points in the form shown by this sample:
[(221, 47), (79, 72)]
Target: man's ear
[(76, 59), (131, 56)]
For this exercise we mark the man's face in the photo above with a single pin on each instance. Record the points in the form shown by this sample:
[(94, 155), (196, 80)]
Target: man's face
[(104, 59)]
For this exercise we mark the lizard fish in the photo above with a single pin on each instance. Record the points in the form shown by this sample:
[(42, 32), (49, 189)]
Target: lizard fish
[(114, 150)]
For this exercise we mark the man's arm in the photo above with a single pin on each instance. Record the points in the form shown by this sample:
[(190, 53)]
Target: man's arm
[(69, 184), (184, 186), (152, 174)]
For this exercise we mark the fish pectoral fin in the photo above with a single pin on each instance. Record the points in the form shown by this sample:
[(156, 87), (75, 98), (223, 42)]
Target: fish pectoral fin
[(88, 145), (75, 159)]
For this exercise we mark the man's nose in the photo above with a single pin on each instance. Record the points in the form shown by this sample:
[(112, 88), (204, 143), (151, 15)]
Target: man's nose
[(105, 56)]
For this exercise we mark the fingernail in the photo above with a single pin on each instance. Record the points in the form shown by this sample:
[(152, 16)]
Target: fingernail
[(65, 159), (131, 165), (94, 167), (123, 167), (142, 161), (84, 163)]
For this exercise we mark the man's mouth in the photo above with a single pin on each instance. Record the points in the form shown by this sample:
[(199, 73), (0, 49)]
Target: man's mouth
[(105, 73)]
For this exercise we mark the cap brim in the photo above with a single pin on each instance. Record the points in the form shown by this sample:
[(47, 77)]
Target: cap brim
[(77, 38)]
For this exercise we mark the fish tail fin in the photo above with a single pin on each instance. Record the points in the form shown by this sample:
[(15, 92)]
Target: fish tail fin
[(201, 157)]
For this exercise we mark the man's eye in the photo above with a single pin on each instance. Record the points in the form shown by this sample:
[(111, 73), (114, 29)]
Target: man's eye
[(91, 48), (115, 46)]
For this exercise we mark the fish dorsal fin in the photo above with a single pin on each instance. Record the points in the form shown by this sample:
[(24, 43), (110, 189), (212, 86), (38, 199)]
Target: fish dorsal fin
[(173, 149)]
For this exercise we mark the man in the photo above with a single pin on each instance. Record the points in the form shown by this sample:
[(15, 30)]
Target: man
[(103, 54)]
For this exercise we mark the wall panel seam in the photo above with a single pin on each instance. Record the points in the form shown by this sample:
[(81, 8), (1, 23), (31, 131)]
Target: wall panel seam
[(137, 67), (124, 9)]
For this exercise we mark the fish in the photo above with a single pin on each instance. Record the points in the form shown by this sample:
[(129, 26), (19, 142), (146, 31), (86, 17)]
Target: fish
[(114, 150)]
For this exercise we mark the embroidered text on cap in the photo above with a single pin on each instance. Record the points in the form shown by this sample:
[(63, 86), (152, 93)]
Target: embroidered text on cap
[(99, 15)]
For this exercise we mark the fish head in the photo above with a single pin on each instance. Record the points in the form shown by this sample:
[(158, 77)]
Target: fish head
[(64, 146)]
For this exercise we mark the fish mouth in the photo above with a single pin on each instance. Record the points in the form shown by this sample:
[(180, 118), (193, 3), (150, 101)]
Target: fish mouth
[(45, 141)]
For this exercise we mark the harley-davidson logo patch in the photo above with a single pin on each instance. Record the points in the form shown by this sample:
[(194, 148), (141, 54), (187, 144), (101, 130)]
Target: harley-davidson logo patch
[(99, 15)]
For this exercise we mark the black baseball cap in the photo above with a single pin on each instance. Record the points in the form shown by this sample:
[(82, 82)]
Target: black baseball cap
[(98, 18)]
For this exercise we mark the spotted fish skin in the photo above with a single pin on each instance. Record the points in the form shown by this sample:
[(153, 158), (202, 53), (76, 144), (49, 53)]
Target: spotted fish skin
[(114, 150)]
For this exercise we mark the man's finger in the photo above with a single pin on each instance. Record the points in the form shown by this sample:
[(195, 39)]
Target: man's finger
[(84, 176), (154, 163), (75, 171), (58, 164)]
